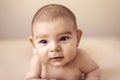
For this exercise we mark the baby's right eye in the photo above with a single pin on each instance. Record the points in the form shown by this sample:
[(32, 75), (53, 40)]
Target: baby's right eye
[(43, 42)]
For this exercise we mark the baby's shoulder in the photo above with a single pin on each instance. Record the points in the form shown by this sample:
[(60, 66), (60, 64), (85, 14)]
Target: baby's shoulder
[(82, 53)]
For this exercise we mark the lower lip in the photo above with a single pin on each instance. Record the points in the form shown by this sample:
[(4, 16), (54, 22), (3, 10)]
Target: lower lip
[(57, 58)]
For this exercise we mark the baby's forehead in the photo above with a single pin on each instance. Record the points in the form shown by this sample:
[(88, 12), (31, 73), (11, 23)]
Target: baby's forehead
[(61, 21), (60, 25)]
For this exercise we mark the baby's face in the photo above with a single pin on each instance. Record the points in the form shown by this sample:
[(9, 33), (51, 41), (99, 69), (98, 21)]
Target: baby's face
[(55, 41)]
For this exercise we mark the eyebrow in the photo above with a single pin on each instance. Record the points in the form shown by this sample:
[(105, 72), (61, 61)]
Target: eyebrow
[(40, 36), (43, 35), (63, 33)]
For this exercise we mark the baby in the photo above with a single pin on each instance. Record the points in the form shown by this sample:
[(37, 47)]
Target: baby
[(55, 38)]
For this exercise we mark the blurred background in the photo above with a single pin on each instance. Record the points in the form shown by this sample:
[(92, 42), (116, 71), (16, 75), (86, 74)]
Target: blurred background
[(97, 18)]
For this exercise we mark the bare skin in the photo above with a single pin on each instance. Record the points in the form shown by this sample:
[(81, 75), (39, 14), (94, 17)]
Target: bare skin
[(57, 56), (71, 71)]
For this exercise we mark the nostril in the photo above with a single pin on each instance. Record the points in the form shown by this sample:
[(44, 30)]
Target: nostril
[(56, 49)]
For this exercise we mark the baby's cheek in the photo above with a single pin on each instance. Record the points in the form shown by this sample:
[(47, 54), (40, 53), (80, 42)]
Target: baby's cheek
[(42, 54), (71, 51), (72, 46)]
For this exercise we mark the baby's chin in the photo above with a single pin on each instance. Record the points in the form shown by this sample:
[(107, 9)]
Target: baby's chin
[(58, 64)]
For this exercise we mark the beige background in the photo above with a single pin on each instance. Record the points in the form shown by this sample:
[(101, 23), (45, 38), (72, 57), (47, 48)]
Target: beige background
[(95, 17), (99, 20)]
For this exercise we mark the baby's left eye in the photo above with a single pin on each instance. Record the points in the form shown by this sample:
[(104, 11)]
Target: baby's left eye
[(64, 38)]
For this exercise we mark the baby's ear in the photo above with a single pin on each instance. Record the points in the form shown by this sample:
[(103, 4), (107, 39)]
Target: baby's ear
[(79, 34), (31, 40)]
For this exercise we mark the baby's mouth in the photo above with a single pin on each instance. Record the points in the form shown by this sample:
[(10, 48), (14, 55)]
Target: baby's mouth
[(57, 58)]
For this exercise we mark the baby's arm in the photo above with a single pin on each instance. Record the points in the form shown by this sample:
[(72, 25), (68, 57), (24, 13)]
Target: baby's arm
[(93, 74), (34, 70), (89, 67)]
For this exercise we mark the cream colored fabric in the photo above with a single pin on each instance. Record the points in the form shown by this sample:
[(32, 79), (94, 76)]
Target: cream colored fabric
[(15, 56)]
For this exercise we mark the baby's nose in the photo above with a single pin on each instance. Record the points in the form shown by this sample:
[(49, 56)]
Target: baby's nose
[(55, 47)]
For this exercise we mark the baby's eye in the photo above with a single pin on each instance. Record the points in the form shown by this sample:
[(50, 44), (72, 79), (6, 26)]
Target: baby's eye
[(64, 38), (43, 42)]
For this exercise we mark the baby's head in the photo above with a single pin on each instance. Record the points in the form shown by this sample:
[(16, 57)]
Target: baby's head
[(55, 35), (52, 12)]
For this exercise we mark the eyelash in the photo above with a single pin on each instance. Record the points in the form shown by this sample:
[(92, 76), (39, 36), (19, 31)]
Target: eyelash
[(43, 42), (63, 39)]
